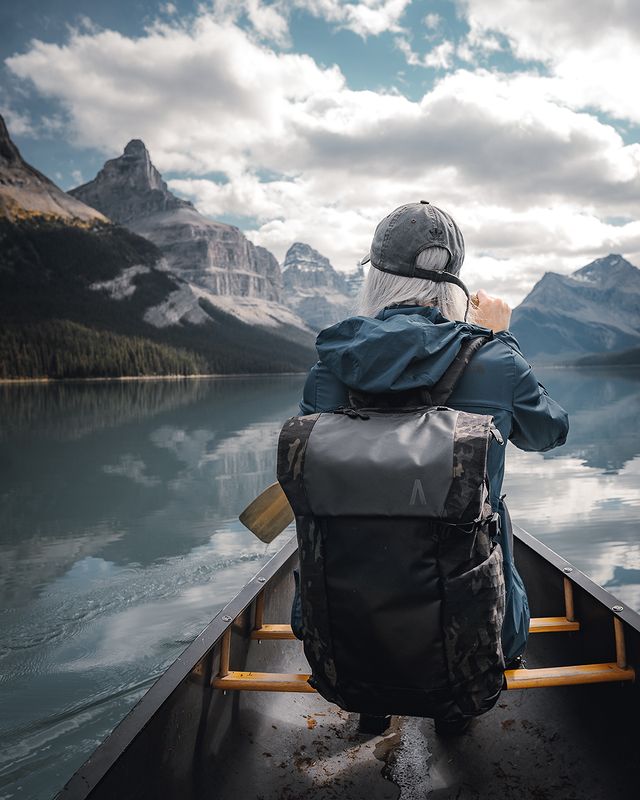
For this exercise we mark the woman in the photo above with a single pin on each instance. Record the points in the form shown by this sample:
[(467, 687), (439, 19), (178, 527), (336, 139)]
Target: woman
[(413, 313)]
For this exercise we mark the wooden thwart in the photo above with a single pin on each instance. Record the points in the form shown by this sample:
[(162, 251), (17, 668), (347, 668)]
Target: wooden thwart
[(553, 625), (273, 631), (516, 678), (566, 676), (264, 682), (538, 625)]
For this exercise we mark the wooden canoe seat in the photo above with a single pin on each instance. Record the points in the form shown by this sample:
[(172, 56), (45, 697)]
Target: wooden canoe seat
[(515, 678), (264, 682), (567, 676)]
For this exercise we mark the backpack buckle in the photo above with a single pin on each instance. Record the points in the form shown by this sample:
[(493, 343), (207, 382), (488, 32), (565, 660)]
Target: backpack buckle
[(493, 525)]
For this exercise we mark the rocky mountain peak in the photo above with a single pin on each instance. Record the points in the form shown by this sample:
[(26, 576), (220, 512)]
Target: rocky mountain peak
[(313, 288), (302, 256), (608, 272), (129, 187), (306, 268), (136, 148), (595, 309)]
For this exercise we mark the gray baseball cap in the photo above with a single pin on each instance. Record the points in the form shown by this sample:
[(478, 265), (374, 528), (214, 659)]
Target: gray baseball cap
[(409, 230)]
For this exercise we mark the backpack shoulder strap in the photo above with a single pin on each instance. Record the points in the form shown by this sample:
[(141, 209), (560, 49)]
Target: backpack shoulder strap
[(442, 390)]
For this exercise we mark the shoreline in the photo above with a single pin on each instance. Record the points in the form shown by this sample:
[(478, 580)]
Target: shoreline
[(124, 378), (228, 375)]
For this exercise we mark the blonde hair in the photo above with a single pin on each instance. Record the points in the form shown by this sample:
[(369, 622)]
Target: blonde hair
[(382, 289)]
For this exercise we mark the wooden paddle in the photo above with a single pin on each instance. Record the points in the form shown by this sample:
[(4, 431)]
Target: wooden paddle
[(269, 514)]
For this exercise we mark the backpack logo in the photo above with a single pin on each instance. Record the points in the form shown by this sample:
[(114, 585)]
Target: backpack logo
[(417, 495)]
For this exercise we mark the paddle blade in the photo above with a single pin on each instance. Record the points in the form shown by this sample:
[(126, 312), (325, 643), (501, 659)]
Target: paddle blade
[(269, 514)]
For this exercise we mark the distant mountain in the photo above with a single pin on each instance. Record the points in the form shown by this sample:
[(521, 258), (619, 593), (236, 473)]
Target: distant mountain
[(129, 187), (314, 288), (211, 255), (80, 297), (594, 310), (354, 280)]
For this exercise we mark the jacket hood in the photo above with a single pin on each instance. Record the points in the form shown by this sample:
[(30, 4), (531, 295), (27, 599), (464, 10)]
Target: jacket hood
[(401, 348)]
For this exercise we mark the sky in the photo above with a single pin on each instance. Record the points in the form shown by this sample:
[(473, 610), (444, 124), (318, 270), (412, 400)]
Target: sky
[(310, 120)]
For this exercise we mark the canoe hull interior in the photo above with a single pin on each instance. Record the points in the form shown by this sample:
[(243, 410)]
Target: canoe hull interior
[(186, 740)]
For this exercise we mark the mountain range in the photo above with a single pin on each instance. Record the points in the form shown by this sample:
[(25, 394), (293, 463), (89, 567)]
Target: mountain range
[(214, 257), (121, 276), (82, 296)]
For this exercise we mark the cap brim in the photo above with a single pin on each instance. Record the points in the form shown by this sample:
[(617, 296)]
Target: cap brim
[(365, 260)]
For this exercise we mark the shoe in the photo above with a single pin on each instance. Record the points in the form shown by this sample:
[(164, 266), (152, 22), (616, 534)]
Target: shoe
[(452, 727), (374, 724)]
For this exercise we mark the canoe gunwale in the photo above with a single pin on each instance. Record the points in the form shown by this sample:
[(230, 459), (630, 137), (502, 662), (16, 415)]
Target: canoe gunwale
[(576, 576), (94, 769)]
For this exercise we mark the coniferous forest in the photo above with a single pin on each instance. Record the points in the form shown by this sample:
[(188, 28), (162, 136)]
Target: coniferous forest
[(63, 349)]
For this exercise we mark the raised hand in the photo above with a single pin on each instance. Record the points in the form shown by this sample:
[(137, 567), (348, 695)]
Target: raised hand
[(491, 312)]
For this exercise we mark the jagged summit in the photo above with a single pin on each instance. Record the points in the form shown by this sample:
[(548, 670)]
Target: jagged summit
[(210, 255), (129, 187), (608, 271), (136, 147), (26, 193), (313, 288), (303, 257), (594, 309)]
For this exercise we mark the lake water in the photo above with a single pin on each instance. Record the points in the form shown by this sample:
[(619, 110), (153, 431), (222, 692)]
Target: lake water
[(119, 537)]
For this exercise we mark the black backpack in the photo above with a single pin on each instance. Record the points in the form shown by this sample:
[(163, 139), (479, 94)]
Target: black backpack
[(401, 579)]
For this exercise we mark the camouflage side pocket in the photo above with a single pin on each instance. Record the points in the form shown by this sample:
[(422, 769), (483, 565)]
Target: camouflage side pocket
[(473, 612), (316, 629)]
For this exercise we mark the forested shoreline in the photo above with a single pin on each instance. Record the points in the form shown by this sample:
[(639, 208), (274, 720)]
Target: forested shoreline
[(62, 349)]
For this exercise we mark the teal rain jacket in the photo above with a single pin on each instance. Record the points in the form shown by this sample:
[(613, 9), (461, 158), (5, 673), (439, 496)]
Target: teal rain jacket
[(409, 346)]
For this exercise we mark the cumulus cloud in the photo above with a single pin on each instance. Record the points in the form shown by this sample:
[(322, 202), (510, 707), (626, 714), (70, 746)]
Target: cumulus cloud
[(592, 51), (366, 18), (271, 20), (439, 57), (305, 157), (19, 124)]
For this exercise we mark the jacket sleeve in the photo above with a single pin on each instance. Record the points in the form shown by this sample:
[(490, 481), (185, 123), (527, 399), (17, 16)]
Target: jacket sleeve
[(322, 391), (538, 423)]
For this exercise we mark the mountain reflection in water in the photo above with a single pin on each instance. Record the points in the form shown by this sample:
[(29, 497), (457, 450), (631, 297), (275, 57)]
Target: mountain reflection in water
[(119, 541), (583, 499), (119, 537)]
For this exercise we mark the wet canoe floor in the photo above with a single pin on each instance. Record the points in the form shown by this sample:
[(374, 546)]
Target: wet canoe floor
[(561, 743)]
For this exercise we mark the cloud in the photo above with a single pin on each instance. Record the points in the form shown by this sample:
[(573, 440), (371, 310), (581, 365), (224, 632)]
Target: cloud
[(270, 21), (305, 157), (439, 57), (20, 124), (367, 18), (592, 52)]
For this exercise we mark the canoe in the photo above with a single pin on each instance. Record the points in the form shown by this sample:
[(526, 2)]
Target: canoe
[(233, 717)]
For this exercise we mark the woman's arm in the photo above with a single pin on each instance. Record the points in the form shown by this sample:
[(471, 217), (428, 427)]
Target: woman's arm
[(538, 423)]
